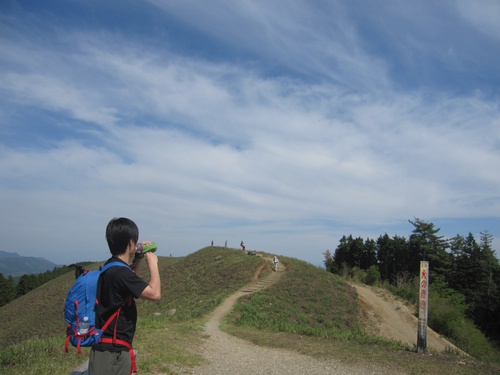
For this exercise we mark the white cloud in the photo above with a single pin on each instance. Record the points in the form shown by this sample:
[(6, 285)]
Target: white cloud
[(321, 43), (193, 148)]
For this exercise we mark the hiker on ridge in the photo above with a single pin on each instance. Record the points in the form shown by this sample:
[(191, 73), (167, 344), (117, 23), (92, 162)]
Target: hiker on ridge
[(119, 288), (275, 262)]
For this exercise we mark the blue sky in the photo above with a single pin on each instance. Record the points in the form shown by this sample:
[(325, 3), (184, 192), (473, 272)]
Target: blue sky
[(283, 124)]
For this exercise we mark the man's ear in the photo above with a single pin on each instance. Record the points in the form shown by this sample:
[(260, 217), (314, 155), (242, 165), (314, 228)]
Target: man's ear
[(131, 246)]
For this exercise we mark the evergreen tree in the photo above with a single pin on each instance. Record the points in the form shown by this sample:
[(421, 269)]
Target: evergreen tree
[(392, 256), (426, 245), (7, 290), (385, 257), (487, 296), (351, 252), (342, 254), (356, 250), (26, 284), (401, 255), (369, 254), (476, 274), (465, 265), (457, 245)]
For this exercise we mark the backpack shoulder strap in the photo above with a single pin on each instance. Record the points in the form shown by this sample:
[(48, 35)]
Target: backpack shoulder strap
[(113, 264), (99, 286)]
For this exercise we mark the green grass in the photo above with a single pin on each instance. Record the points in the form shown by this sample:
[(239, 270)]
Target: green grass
[(194, 285), (307, 310), (306, 300)]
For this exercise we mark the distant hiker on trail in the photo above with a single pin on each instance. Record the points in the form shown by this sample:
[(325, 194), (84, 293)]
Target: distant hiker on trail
[(212, 242), (242, 244), (275, 261)]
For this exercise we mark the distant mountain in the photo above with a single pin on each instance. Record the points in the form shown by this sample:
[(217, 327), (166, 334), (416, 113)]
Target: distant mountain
[(5, 254), (17, 265)]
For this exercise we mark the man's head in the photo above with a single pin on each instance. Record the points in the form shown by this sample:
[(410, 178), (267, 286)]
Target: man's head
[(119, 233)]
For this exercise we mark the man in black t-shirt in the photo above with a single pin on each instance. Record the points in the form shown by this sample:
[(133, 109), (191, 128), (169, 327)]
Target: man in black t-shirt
[(118, 288)]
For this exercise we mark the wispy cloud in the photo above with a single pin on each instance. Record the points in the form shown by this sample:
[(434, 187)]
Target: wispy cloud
[(303, 137), (482, 15)]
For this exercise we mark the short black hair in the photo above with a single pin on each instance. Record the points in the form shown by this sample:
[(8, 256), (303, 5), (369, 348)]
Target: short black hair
[(119, 232)]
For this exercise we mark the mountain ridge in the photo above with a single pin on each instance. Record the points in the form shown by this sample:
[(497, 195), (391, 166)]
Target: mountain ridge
[(13, 264)]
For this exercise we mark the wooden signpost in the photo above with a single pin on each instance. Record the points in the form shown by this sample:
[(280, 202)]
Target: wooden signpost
[(423, 307)]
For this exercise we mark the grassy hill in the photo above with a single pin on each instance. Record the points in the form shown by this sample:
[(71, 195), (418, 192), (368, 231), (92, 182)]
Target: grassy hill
[(308, 310)]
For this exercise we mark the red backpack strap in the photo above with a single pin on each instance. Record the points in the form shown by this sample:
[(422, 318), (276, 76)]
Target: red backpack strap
[(78, 348), (106, 340), (133, 369), (111, 318), (66, 343), (114, 340)]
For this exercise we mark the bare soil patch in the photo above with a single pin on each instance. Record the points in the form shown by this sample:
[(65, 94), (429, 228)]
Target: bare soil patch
[(386, 316)]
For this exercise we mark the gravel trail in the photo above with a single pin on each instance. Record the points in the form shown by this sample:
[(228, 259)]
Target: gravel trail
[(229, 355)]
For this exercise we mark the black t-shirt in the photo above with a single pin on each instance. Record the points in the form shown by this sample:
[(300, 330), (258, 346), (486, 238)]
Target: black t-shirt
[(119, 287)]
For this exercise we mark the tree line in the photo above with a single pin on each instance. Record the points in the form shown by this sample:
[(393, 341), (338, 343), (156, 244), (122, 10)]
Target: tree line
[(461, 266), (10, 289)]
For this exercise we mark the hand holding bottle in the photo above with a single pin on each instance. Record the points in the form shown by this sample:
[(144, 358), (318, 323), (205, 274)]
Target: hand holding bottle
[(144, 247)]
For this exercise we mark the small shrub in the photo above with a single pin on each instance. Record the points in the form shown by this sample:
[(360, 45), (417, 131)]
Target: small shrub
[(372, 276), (358, 275), (447, 316), (406, 288)]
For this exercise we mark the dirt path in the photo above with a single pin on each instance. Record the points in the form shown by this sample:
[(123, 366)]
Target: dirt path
[(229, 355)]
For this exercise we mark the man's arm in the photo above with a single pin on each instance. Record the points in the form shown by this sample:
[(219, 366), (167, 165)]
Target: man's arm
[(153, 290)]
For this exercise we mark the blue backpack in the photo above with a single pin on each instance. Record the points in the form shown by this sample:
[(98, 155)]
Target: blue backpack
[(80, 304)]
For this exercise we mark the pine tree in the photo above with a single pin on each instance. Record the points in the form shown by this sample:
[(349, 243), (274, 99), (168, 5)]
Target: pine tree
[(487, 296), (26, 284), (356, 249), (369, 254), (342, 256), (426, 245), (7, 290), (476, 274), (385, 257)]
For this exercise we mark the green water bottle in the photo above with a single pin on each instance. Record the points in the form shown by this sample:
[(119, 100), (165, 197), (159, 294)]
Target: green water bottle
[(143, 247)]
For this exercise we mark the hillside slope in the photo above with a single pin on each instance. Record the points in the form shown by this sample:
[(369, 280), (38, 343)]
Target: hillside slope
[(192, 285), (307, 310), (191, 279), (226, 354)]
